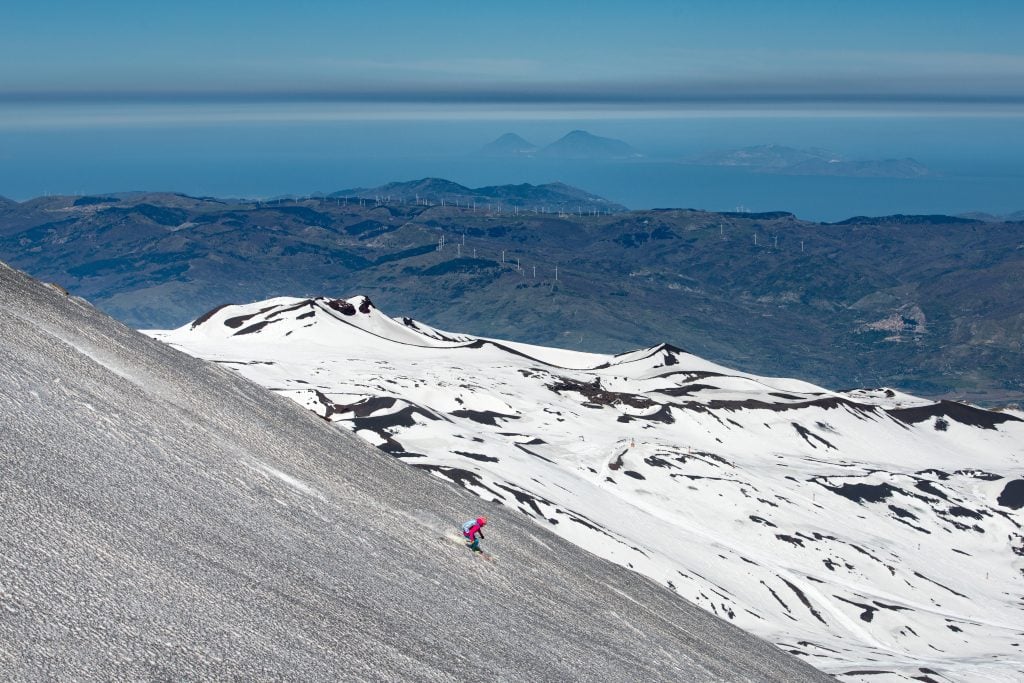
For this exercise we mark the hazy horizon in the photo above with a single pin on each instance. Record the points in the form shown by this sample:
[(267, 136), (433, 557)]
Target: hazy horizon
[(978, 168), (254, 101)]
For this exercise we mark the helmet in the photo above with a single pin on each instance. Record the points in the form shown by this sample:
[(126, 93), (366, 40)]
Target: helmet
[(481, 520)]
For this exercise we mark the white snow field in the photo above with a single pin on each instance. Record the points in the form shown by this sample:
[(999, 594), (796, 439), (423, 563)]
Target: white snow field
[(872, 534), (164, 519)]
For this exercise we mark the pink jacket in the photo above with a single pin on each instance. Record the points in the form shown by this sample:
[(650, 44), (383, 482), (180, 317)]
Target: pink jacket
[(471, 529)]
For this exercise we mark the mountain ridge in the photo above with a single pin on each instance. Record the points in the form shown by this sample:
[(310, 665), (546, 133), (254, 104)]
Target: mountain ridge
[(554, 196), (239, 536), (878, 301), (734, 490)]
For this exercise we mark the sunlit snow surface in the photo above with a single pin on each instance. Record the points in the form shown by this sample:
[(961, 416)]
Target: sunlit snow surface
[(874, 534)]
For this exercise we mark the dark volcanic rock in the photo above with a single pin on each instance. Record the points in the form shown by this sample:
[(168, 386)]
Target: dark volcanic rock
[(959, 412), (1013, 494), (859, 493)]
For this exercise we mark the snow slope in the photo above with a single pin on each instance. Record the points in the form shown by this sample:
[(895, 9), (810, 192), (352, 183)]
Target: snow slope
[(165, 519), (873, 534)]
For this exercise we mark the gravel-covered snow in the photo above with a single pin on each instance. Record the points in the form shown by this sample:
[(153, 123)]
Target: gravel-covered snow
[(872, 533), (164, 519)]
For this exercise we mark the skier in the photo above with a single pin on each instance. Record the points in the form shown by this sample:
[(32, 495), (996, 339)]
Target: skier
[(470, 529)]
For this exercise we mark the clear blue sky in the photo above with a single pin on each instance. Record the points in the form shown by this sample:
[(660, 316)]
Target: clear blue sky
[(530, 51)]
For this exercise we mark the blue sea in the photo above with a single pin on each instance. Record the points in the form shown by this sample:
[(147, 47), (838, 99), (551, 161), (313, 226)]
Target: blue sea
[(978, 165)]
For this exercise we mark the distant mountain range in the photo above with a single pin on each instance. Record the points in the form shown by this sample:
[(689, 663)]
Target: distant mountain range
[(929, 304), (1015, 217), (813, 162), (550, 197), (577, 144)]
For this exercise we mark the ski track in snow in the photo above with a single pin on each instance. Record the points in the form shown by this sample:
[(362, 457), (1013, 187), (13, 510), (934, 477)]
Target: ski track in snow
[(861, 531)]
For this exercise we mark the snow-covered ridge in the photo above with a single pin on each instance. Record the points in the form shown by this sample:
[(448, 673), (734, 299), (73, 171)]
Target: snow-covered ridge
[(864, 531)]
